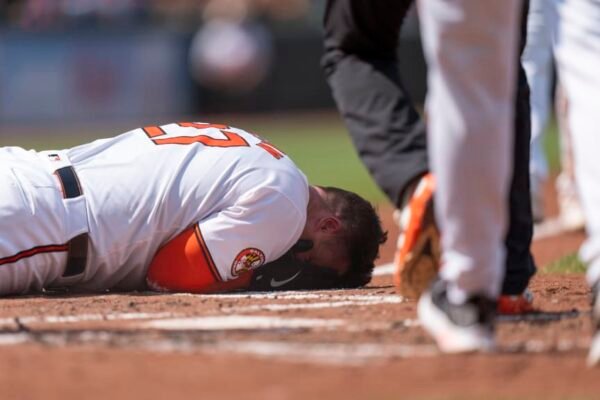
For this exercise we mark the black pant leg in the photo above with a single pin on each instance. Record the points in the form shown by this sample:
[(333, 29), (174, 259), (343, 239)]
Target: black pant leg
[(361, 65), (520, 266)]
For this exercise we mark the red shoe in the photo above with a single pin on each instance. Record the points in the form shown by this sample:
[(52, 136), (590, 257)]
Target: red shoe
[(518, 304), (417, 257)]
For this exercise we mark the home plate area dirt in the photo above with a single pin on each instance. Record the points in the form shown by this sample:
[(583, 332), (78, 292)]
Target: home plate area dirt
[(363, 344)]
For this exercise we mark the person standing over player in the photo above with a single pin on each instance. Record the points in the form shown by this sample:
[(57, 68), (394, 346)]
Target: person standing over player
[(180, 207), (471, 48), (470, 151), (361, 64)]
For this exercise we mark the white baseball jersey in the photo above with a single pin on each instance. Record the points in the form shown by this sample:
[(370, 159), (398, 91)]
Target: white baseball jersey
[(140, 189)]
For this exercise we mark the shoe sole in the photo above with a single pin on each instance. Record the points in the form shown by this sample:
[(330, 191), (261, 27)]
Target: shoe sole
[(420, 266), (450, 338)]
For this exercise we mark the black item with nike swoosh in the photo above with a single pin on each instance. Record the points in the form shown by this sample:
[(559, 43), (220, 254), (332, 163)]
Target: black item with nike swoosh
[(289, 273)]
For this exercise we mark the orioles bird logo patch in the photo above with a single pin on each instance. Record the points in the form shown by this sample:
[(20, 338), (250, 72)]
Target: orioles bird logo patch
[(247, 259)]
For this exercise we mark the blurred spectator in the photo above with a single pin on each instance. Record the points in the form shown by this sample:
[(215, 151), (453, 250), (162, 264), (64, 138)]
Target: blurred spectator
[(231, 51)]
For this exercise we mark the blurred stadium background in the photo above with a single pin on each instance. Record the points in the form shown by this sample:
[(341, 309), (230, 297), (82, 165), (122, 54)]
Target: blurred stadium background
[(74, 70)]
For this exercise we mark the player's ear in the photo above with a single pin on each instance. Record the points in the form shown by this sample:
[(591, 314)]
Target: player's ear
[(330, 224)]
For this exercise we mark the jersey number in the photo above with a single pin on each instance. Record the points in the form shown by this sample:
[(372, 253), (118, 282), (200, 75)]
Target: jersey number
[(157, 135)]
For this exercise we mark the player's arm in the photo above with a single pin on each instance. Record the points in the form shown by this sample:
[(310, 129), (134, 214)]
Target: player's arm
[(221, 252), (185, 265)]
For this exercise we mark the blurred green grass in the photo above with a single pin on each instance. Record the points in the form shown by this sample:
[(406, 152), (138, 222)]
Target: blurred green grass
[(551, 142), (318, 144), (324, 151), (569, 264)]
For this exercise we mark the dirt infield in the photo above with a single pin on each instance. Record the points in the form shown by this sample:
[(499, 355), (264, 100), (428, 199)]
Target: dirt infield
[(331, 344)]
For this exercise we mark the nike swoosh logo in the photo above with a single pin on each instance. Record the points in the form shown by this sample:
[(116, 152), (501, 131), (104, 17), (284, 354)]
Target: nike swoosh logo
[(276, 284)]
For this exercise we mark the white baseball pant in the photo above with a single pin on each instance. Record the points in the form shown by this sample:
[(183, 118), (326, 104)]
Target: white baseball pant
[(36, 222), (578, 58), (537, 62), (471, 48)]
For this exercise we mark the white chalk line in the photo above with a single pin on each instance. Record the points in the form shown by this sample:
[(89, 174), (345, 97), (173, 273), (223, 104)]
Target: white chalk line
[(65, 319), (359, 353), (240, 322), (313, 306), (12, 339), (345, 354), (334, 302), (384, 269), (262, 322), (331, 295)]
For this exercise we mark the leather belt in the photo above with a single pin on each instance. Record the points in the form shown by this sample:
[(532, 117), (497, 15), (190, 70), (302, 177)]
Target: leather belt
[(78, 246)]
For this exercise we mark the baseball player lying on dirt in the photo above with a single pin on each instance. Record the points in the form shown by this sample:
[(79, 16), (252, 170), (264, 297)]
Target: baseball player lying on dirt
[(192, 207)]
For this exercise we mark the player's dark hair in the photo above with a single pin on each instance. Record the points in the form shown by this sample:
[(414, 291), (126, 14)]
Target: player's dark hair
[(362, 234)]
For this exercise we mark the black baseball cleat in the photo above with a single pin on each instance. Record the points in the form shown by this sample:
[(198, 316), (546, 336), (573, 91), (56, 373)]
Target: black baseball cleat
[(457, 328)]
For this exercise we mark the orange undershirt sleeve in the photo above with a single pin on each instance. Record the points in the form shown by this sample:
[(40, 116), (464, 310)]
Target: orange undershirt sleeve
[(184, 264)]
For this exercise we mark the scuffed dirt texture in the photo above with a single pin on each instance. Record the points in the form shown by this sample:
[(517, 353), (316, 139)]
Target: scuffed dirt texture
[(368, 347)]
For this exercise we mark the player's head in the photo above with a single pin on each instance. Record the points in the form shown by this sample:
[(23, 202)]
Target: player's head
[(346, 233)]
